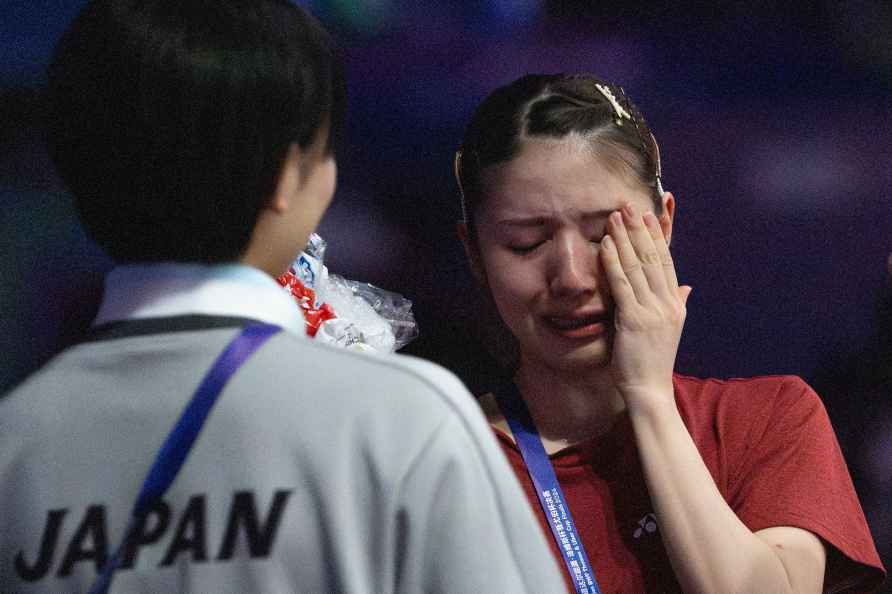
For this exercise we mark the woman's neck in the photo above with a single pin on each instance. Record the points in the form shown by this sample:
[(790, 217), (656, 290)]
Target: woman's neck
[(567, 408)]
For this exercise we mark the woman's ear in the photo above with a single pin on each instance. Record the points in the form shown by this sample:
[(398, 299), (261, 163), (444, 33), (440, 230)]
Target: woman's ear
[(668, 215), (472, 253)]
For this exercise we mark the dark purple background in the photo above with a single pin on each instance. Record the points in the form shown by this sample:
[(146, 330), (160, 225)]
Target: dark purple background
[(774, 126)]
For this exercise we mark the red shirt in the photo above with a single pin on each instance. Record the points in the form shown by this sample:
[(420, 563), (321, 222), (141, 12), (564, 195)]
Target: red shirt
[(769, 446)]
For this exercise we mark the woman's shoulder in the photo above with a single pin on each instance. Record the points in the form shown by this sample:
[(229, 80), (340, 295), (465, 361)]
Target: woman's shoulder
[(753, 402), (764, 388)]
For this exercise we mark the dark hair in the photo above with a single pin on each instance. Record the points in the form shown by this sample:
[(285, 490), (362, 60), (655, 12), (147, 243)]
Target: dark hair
[(555, 106), (170, 120)]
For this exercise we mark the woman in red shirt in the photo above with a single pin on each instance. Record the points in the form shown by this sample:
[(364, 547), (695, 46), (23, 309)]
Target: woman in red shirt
[(647, 480)]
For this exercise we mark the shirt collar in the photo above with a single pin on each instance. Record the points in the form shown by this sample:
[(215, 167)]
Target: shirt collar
[(138, 291)]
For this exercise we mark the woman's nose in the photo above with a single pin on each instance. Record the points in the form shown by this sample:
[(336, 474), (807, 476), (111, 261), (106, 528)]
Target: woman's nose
[(573, 267)]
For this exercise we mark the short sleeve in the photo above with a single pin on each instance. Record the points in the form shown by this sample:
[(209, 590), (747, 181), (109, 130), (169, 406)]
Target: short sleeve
[(794, 474), (465, 524)]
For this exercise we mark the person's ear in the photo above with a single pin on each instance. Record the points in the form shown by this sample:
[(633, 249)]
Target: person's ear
[(668, 215), (290, 177), (472, 253)]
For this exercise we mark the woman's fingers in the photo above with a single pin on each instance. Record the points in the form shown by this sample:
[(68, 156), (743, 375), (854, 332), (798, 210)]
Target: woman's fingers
[(628, 259), (647, 249), (639, 260), (620, 288), (662, 248), (643, 263)]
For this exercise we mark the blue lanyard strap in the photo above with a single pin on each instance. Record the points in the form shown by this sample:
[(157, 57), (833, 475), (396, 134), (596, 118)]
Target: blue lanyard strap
[(179, 442), (548, 490)]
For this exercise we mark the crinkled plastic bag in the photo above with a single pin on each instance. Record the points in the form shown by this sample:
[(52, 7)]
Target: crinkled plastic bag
[(366, 318)]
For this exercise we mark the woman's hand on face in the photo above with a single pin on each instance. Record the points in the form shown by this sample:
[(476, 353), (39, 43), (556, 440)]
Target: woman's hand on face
[(650, 306)]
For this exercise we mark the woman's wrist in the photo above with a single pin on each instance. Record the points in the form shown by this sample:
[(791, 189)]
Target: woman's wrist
[(650, 404)]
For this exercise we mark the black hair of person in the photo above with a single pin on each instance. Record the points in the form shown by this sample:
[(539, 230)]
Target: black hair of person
[(170, 120), (555, 106)]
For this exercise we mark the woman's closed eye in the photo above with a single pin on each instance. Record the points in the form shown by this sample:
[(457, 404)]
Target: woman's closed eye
[(525, 248), (529, 247)]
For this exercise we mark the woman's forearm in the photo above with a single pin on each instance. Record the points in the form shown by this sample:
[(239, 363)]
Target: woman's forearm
[(710, 549)]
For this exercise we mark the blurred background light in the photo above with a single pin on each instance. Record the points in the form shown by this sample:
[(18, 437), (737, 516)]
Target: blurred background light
[(364, 17)]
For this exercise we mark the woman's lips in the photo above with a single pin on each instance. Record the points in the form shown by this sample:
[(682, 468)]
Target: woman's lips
[(577, 327)]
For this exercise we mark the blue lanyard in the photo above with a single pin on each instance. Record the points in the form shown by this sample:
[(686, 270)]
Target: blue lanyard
[(548, 490), (179, 442)]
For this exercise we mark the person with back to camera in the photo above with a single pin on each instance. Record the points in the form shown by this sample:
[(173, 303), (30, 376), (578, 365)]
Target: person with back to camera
[(648, 481), (197, 138)]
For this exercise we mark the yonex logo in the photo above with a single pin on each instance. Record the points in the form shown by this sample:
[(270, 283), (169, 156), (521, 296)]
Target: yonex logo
[(646, 525)]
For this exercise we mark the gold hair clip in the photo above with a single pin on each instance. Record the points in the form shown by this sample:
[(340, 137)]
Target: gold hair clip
[(461, 191), (622, 113), (619, 109)]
